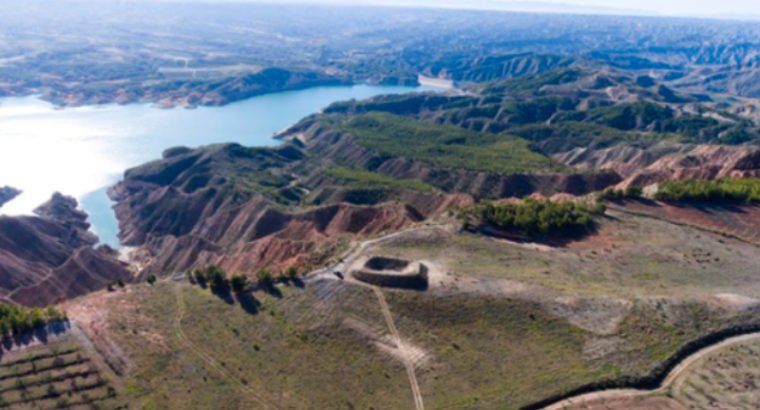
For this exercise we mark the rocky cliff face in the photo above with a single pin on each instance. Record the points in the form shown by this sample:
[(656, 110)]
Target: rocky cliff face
[(52, 256), (245, 208), (604, 123)]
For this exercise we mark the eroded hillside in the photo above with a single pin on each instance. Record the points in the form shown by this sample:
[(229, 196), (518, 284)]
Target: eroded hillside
[(367, 167), (52, 256)]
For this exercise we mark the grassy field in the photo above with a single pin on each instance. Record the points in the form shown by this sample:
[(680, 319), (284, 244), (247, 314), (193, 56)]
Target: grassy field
[(491, 352), (323, 346), (320, 347), (628, 255), (447, 146), (295, 351), (57, 375)]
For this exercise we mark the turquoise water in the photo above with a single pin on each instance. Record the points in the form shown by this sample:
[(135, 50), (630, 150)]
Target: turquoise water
[(81, 151)]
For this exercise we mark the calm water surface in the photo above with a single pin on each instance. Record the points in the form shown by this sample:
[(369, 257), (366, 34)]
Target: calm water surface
[(82, 151)]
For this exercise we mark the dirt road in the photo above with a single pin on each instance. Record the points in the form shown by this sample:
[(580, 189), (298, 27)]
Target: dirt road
[(345, 262), (408, 363)]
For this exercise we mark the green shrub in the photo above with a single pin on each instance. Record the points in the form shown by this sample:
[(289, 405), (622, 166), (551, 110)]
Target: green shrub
[(152, 279), (37, 317), (217, 277), (200, 277), (634, 192), (445, 145)]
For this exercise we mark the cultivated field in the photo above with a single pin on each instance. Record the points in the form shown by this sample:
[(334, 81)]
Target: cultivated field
[(723, 376), (61, 374), (727, 379)]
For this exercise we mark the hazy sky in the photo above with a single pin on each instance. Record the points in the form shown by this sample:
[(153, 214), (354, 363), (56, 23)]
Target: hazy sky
[(708, 8)]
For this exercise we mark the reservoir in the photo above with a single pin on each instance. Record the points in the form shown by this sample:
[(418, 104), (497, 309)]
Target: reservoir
[(81, 151)]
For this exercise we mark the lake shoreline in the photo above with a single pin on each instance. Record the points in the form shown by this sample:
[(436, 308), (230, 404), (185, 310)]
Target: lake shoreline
[(88, 148)]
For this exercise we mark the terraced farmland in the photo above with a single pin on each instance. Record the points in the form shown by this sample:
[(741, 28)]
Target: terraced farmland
[(57, 375)]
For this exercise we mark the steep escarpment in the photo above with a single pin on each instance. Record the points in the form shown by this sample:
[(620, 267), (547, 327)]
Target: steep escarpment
[(52, 256), (482, 69)]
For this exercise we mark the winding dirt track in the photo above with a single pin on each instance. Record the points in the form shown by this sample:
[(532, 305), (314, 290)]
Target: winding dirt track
[(408, 364), (672, 380), (262, 402)]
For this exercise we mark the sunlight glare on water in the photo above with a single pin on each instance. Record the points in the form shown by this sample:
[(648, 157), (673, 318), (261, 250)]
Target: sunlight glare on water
[(46, 150)]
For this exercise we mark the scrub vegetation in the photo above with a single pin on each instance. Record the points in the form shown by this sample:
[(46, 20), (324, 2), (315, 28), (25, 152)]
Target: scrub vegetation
[(736, 190)]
